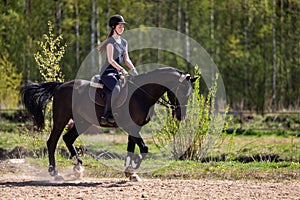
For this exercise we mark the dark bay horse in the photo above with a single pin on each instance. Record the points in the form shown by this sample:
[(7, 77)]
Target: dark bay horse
[(71, 101)]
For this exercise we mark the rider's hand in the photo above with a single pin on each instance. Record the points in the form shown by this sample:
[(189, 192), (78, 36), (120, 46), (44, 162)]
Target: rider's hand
[(135, 72), (124, 72)]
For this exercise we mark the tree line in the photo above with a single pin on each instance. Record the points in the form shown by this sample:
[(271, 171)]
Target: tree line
[(255, 44)]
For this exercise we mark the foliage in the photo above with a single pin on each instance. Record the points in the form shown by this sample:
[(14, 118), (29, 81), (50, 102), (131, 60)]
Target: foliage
[(191, 139), (10, 81), (48, 60), (254, 43), (284, 124)]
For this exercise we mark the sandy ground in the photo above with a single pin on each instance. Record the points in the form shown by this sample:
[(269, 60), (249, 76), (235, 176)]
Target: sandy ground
[(33, 183)]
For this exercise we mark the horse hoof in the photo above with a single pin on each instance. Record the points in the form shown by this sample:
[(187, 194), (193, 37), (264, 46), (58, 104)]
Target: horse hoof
[(128, 174), (78, 170), (135, 178), (52, 171), (129, 171)]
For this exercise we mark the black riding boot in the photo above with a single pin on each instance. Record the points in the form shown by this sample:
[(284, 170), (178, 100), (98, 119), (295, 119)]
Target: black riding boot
[(107, 118)]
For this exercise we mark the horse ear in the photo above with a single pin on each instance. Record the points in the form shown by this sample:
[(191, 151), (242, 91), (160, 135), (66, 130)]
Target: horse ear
[(188, 77)]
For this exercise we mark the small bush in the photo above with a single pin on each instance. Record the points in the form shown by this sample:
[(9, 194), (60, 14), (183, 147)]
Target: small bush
[(10, 81), (192, 138), (49, 58)]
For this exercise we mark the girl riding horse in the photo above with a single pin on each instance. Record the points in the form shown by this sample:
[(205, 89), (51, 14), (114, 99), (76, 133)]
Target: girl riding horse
[(116, 51)]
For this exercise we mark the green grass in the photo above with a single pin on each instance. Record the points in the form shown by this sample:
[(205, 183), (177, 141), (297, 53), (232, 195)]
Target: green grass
[(189, 170), (167, 169), (9, 140), (230, 170), (286, 125), (157, 165), (6, 126), (234, 147)]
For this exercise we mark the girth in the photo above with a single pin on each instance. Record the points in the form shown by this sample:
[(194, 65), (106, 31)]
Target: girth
[(98, 92)]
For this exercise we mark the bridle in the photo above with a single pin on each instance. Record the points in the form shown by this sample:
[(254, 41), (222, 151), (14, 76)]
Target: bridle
[(162, 100), (167, 103)]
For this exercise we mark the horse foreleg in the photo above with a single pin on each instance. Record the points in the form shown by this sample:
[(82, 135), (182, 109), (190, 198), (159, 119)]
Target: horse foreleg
[(133, 161), (128, 159), (130, 144), (143, 147)]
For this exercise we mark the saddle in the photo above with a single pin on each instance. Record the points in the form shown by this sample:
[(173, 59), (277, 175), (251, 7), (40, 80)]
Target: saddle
[(98, 92)]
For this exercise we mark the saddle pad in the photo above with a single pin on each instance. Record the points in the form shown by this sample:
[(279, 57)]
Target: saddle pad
[(96, 85), (98, 96), (96, 82)]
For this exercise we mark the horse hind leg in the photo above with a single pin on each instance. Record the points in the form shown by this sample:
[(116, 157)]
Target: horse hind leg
[(69, 139), (58, 127), (51, 145)]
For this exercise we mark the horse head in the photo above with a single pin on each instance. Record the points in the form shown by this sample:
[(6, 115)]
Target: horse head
[(179, 95)]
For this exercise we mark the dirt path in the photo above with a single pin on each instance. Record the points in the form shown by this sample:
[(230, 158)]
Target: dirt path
[(34, 183)]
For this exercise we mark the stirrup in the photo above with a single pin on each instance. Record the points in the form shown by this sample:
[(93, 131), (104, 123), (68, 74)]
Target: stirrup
[(107, 121)]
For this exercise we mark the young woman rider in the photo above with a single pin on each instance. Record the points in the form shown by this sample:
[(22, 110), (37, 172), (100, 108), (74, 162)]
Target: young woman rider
[(116, 52)]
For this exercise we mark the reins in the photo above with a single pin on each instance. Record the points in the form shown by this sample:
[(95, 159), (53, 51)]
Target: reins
[(166, 103), (162, 100)]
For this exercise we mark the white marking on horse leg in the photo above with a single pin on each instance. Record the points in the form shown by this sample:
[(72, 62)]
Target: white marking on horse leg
[(78, 169), (135, 178), (127, 161), (75, 160)]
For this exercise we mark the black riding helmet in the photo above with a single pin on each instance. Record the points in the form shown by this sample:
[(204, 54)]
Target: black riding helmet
[(115, 20)]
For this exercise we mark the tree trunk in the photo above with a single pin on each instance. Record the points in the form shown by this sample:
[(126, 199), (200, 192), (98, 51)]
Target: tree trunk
[(245, 91), (27, 66), (107, 15), (58, 15), (273, 106), (179, 16), (159, 23), (77, 34), (93, 19), (212, 21), (187, 40), (98, 33)]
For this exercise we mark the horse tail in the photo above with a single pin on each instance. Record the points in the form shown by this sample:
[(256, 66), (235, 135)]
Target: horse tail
[(35, 98)]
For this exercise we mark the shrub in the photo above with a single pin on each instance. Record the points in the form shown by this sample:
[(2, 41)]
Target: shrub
[(52, 53), (10, 81), (192, 138)]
